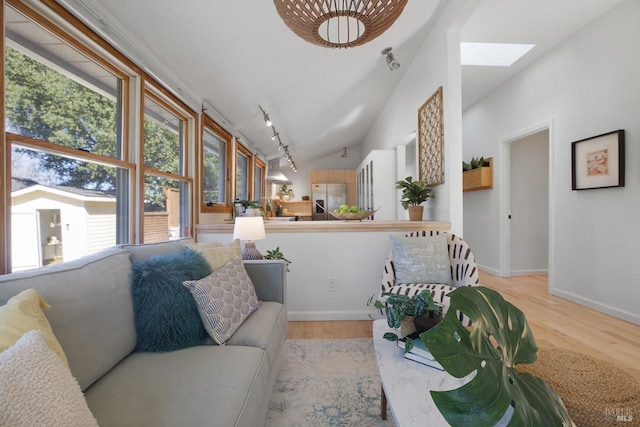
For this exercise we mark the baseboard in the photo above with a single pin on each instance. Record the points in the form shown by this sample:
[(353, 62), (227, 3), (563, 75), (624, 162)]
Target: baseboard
[(308, 316), (489, 270), (613, 311), (496, 272), (529, 272)]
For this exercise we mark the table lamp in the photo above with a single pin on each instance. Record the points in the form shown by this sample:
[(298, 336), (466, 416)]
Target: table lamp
[(248, 229)]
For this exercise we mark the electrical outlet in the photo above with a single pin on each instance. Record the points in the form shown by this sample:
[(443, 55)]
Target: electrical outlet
[(331, 284)]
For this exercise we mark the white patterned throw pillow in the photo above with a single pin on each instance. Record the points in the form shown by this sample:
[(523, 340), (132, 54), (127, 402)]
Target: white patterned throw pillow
[(224, 299), (421, 260)]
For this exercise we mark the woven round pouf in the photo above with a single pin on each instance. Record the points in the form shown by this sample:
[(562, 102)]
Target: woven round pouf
[(596, 393)]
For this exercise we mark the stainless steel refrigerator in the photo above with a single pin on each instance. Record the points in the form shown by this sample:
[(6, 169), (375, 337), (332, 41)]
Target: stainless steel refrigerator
[(326, 198)]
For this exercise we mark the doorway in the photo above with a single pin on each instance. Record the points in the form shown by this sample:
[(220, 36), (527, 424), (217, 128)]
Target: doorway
[(526, 201)]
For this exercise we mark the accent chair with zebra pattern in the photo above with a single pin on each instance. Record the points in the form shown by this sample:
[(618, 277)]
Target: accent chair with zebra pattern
[(464, 271)]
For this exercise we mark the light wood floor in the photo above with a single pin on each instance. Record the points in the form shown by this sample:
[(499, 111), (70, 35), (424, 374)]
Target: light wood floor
[(553, 320)]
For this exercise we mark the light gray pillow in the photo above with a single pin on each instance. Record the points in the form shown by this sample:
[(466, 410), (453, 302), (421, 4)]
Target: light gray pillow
[(421, 259), (224, 299)]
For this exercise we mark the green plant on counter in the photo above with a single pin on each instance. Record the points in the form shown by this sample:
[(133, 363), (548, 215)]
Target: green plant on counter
[(499, 339), (414, 193), (251, 204), (276, 254)]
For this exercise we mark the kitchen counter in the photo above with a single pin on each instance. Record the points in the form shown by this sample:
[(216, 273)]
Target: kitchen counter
[(282, 226)]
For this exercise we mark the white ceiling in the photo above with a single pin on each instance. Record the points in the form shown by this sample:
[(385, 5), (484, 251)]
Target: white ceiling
[(234, 55)]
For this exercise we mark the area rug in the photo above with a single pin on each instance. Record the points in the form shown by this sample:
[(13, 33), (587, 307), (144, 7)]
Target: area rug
[(327, 383)]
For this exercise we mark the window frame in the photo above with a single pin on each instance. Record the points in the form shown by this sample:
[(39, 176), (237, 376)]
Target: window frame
[(121, 161), (187, 116), (209, 124), (260, 164), (242, 150)]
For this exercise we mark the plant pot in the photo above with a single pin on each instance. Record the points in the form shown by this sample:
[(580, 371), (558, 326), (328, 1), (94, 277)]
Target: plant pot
[(426, 321), (252, 212), (407, 326), (415, 213)]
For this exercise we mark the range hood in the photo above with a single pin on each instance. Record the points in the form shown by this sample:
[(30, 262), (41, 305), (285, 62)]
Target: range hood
[(274, 174)]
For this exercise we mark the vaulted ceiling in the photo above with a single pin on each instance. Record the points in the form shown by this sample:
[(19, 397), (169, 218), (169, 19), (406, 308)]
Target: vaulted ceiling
[(235, 55)]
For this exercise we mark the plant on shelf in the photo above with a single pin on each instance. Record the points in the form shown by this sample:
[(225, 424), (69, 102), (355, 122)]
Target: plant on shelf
[(276, 254), (285, 191), (402, 311), (414, 193), (475, 163), (498, 339)]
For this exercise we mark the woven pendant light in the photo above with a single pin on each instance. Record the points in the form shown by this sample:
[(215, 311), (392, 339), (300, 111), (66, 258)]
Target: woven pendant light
[(339, 23)]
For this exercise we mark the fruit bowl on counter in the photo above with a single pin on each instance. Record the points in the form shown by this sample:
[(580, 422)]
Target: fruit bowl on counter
[(352, 216)]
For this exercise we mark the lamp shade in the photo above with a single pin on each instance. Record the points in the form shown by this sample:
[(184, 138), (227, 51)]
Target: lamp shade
[(339, 23), (249, 228)]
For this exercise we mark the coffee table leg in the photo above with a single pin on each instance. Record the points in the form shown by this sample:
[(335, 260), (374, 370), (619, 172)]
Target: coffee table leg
[(383, 403)]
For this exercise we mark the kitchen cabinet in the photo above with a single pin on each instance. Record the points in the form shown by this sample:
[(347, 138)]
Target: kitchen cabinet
[(375, 177)]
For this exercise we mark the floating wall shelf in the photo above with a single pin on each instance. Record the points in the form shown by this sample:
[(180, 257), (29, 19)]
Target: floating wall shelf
[(479, 178)]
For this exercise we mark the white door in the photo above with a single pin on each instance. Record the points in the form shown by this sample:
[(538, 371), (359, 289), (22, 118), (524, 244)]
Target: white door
[(25, 244)]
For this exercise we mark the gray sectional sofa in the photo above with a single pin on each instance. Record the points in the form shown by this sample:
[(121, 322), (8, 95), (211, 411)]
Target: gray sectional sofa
[(92, 316)]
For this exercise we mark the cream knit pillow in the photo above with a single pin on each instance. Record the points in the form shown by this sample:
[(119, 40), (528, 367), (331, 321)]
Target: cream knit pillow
[(36, 388)]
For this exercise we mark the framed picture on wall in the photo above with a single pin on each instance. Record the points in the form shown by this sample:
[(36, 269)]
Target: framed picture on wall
[(430, 140), (598, 162)]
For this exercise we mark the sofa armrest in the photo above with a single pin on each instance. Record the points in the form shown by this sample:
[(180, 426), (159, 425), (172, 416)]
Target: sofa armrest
[(269, 277)]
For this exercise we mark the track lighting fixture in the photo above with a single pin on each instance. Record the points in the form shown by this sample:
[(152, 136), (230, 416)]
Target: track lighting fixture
[(276, 138), (265, 116), (391, 60)]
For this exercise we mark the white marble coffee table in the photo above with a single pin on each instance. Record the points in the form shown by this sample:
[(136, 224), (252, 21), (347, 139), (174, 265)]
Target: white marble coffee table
[(406, 384)]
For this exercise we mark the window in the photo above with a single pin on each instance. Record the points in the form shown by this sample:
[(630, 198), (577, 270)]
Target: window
[(64, 121), (259, 180), (216, 149), (167, 188), (242, 173)]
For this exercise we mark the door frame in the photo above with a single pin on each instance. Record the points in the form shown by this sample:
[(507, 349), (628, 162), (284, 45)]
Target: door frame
[(505, 194)]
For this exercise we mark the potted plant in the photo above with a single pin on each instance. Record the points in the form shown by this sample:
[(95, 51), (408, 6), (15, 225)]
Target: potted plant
[(276, 254), (499, 340), (476, 174), (285, 192), (408, 315), (251, 207), (414, 193)]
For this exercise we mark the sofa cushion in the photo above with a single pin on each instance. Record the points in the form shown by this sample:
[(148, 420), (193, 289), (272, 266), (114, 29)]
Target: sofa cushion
[(224, 299), (91, 312), (424, 260), (266, 328), (23, 313), (218, 254), (142, 252), (166, 316), (196, 386), (36, 387)]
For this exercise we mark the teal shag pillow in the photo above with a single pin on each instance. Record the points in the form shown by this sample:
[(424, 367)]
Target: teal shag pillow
[(166, 315)]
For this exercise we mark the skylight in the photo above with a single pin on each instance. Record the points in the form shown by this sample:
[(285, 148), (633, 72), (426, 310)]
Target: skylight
[(492, 54)]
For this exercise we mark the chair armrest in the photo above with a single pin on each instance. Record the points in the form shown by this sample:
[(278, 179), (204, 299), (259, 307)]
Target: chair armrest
[(269, 278)]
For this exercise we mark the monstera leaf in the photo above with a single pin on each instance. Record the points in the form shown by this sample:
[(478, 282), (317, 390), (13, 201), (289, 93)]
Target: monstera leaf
[(498, 339)]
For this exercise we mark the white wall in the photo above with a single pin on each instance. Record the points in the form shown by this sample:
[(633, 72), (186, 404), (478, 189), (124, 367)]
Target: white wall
[(355, 260), (436, 64), (586, 86)]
